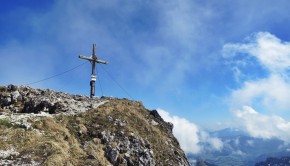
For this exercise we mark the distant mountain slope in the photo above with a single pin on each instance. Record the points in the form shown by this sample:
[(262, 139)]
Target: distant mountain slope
[(241, 149), (283, 161), (44, 127)]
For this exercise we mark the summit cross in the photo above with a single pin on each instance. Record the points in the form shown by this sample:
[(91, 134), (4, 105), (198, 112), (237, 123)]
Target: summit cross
[(93, 59)]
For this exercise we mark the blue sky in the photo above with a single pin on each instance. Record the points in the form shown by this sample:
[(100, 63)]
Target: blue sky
[(207, 63)]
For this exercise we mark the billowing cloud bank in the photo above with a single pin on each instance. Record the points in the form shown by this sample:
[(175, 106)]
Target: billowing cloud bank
[(190, 137), (262, 126), (268, 92), (272, 56)]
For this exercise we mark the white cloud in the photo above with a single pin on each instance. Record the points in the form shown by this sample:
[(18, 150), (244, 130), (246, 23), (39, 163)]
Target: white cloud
[(272, 93), (263, 126), (185, 131), (269, 92), (213, 142), (266, 93), (190, 137), (269, 50)]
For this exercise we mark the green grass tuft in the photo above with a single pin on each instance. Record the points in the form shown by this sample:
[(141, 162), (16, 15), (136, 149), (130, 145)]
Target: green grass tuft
[(5, 123)]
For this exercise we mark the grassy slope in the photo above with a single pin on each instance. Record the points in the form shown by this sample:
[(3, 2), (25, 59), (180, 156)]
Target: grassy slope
[(74, 139)]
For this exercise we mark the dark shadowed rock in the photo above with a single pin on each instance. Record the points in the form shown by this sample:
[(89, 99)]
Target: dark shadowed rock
[(11, 87), (156, 114), (5, 99), (29, 107), (112, 154)]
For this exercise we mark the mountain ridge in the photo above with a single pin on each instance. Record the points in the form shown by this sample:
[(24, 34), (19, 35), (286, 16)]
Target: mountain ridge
[(45, 127)]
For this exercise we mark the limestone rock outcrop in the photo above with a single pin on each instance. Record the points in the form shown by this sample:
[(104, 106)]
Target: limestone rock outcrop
[(45, 127)]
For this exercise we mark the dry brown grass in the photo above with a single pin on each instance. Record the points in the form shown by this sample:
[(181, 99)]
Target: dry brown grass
[(138, 118), (73, 140)]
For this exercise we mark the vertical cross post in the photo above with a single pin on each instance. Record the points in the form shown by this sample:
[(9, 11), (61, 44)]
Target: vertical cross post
[(93, 59)]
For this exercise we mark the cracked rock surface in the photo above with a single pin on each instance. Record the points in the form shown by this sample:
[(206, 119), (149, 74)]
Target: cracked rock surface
[(24, 99)]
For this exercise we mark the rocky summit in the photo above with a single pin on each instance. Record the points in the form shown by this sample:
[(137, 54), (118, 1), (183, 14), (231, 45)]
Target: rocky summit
[(45, 127)]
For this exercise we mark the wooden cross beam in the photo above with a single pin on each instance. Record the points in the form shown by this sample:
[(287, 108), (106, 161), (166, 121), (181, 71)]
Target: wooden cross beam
[(93, 59)]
